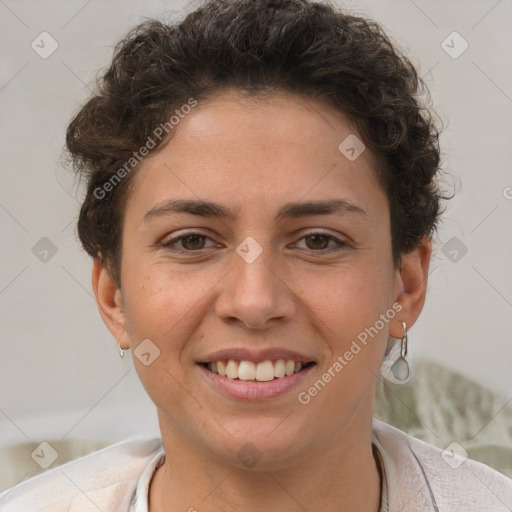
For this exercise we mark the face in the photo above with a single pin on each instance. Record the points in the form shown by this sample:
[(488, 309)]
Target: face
[(292, 262)]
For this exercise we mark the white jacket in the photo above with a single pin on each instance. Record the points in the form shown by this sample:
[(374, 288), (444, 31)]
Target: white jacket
[(418, 477)]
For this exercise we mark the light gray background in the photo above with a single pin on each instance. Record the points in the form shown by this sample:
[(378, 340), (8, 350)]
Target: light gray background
[(60, 373)]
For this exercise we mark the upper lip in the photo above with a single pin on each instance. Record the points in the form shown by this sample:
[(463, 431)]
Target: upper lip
[(257, 356)]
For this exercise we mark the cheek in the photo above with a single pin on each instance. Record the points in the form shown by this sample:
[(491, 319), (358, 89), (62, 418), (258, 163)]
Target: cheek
[(347, 300), (349, 307), (161, 305), (163, 302), (146, 298)]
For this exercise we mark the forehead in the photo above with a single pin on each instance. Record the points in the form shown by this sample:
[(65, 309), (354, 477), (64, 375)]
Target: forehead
[(272, 149), (235, 121)]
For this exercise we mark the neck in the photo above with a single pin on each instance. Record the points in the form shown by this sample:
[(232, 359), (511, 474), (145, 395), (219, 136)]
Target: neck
[(340, 475)]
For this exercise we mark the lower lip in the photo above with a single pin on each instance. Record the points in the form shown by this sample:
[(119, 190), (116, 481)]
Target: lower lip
[(248, 390)]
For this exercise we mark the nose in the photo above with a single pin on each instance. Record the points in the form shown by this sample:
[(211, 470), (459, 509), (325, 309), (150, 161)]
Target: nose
[(256, 293)]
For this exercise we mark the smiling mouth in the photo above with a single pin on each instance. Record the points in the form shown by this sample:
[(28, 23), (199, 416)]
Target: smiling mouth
[(264, 371)]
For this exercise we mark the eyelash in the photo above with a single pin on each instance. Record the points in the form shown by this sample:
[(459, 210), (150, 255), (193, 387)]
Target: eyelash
[(169, 245)]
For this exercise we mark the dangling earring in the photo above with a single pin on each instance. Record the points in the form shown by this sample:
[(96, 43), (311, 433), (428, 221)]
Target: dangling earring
[(400, 367), (121, 352), (395, 366)]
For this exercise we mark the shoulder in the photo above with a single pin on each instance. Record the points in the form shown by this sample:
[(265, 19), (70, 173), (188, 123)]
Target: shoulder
[(421, 476), (105, 479)]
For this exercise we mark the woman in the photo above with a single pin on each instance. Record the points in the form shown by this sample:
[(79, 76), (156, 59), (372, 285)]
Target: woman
[(261, 199)]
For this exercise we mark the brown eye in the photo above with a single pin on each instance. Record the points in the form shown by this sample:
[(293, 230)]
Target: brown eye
[(321, 242), (317, 241), (193, 242)]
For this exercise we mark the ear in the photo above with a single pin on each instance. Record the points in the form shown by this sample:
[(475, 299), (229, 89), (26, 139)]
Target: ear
[(411, 287), (110, 303)]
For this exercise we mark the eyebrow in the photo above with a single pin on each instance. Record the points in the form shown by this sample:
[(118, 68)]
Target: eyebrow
[(291, 210)]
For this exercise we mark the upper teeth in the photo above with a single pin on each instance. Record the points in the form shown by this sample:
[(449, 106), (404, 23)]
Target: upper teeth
[(248, 370)]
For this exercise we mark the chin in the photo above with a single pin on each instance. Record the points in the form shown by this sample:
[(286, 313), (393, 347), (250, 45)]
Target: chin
[(262, 444)]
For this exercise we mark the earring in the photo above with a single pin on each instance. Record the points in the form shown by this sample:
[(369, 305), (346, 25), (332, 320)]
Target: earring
[(395, 366), (400, 367), (121, 352)]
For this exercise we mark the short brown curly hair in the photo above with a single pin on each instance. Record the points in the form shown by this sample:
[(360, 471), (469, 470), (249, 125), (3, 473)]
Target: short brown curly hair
[(257, 46)]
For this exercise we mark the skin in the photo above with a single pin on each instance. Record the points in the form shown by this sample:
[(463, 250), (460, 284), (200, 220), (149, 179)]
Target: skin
[(256, 154)]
